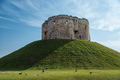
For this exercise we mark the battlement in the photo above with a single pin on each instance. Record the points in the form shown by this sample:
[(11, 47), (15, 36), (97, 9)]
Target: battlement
[(65, 27)]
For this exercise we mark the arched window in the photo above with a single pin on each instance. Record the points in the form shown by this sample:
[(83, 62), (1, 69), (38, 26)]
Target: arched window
[(75, 31), (45, 32), (54, 22), (80, 37)]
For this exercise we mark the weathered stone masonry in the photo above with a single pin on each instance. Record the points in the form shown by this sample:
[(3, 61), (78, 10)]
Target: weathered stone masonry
[(65, 27)]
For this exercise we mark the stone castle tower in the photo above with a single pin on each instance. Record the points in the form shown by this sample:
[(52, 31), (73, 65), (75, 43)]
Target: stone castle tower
[(65, 27)]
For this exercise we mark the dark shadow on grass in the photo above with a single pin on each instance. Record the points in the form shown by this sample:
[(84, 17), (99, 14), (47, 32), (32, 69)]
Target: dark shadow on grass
[(31, 54)]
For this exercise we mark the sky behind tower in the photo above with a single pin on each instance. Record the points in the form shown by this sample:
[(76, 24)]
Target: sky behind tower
[(21, 20)]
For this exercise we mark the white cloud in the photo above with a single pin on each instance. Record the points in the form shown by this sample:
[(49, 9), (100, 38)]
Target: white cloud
[(109, 19), (27, 13), (7, 19), (25, 5), (112, 44), (102, 14), (8, 11), (81, 8), (118, 33), (35, 23), (31, 5)]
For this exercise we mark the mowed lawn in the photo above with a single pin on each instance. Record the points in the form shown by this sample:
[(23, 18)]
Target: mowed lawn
[(61, 75)]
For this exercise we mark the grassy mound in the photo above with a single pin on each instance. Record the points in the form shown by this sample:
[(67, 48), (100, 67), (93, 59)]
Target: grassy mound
[(61, 53)]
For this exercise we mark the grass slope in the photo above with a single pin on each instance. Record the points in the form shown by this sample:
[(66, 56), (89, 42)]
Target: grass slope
[(61, 53)]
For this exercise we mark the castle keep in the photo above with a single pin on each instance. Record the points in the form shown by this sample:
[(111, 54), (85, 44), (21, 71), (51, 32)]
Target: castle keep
[(65, 27)]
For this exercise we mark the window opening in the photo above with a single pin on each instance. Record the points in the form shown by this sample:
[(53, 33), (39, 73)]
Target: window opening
[(75, 31), (45, 32), (80, 37), (54, 22)]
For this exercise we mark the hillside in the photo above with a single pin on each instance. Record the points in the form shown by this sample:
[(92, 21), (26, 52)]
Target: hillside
[(61, 53)]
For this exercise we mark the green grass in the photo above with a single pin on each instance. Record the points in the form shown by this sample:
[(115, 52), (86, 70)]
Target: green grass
[(61, 75), (61, 54)]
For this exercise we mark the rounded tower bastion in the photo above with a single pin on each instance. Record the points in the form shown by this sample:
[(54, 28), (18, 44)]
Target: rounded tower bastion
[(65, 27)]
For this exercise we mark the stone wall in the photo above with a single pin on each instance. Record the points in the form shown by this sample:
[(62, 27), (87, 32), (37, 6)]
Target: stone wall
[(65, 27)]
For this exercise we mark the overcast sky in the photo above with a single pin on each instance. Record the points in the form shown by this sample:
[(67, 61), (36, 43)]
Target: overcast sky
[(21, 20)]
